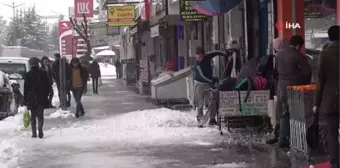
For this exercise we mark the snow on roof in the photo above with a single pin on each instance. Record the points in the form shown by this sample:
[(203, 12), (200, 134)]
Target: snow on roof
[(14, 58), (101, 48), (106, 53)]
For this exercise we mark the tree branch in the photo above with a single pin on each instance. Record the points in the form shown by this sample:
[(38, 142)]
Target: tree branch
[(82, 30), (77, 28)]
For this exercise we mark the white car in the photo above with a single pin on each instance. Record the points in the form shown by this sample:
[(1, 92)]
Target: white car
[(15, 65)]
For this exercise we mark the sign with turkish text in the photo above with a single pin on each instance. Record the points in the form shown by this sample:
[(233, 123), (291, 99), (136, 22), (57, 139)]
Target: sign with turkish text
[(188, 13), (121, 15), (83, 7), (144, 71), (65, 38), (112, 31), (98, 29)]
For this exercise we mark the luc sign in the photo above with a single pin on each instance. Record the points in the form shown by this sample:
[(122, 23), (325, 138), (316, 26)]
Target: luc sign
[(280, 26), (83, 7)]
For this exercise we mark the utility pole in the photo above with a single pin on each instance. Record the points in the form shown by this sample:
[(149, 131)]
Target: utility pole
[(13, 6)]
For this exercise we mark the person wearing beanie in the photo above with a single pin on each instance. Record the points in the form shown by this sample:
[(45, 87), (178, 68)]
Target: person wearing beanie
[(78, 80), (36, 90), (327, 92)]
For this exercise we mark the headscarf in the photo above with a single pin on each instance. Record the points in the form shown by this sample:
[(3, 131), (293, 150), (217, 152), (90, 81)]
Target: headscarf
[(279, 44)]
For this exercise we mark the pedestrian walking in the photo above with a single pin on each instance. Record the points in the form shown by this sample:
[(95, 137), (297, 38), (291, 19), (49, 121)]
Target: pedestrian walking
[(55, 73), (278, 45), (86, 67), (95, 75), (292, 69), (118, 67), (78, 80), (36, 90), (46, 67), (327, 92)]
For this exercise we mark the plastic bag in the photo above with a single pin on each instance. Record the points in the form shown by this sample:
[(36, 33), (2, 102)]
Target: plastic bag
[(27, 119)]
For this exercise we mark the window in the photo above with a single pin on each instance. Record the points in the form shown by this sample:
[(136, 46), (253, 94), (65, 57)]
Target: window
[(13, 68), (319, 16)]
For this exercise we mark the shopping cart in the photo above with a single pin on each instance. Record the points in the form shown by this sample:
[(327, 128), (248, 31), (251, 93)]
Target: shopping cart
[(300, 100)]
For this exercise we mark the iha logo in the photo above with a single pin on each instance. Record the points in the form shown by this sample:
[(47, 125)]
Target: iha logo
[(280, 26)]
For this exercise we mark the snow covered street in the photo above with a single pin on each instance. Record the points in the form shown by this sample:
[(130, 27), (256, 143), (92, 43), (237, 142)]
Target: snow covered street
[(121, 129)]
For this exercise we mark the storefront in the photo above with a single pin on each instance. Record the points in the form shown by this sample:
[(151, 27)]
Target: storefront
[(314, 20)]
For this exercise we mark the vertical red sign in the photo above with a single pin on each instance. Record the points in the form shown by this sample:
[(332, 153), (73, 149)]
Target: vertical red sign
[(65, 38), (147, 10), (74, 46), (83, 7)]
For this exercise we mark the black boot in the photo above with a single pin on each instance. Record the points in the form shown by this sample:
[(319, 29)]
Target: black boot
[(212, 122), (284, 143), (275, 139), (34, 129), (41, 123), (41, 133)]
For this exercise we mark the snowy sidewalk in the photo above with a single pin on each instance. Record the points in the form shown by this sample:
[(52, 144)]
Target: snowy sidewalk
[(121, 130)]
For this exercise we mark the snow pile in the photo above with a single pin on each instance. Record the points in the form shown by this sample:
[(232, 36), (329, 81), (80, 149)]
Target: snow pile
[(158, 126), (61, 114), (9, 154), (107, 70), (10, 127), (13, 123)]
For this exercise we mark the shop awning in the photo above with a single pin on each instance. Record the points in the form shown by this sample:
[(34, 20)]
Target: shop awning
[(214, 7)]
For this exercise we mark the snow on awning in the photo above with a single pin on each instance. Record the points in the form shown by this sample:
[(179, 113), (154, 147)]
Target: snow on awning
[(106, 53), (214, 7), (101, 48)]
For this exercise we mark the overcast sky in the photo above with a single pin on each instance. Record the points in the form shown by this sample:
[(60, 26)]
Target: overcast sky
[(44, 7)]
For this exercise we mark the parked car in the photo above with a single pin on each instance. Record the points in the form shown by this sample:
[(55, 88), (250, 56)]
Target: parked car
[(16, 69), (15, 65)]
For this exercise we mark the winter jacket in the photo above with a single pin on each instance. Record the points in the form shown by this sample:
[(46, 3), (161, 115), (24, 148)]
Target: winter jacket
[(83, 75), (55, 71), (327, 85), (48, 73), (36, 89), (94, 70), (203, 69), (292, 68)]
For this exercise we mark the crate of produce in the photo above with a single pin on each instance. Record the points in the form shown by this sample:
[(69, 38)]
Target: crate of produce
[(256, 104)]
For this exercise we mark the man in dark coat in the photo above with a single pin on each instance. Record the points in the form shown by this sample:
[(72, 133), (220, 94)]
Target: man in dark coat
[(327, 91), (46, 67), (78, 80), (292, 69), (55, 70), (203, 80), (118, 66), (36, 90), (95, 75)]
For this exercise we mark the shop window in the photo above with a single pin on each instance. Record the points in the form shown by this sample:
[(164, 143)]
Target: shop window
[(319, 16)]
